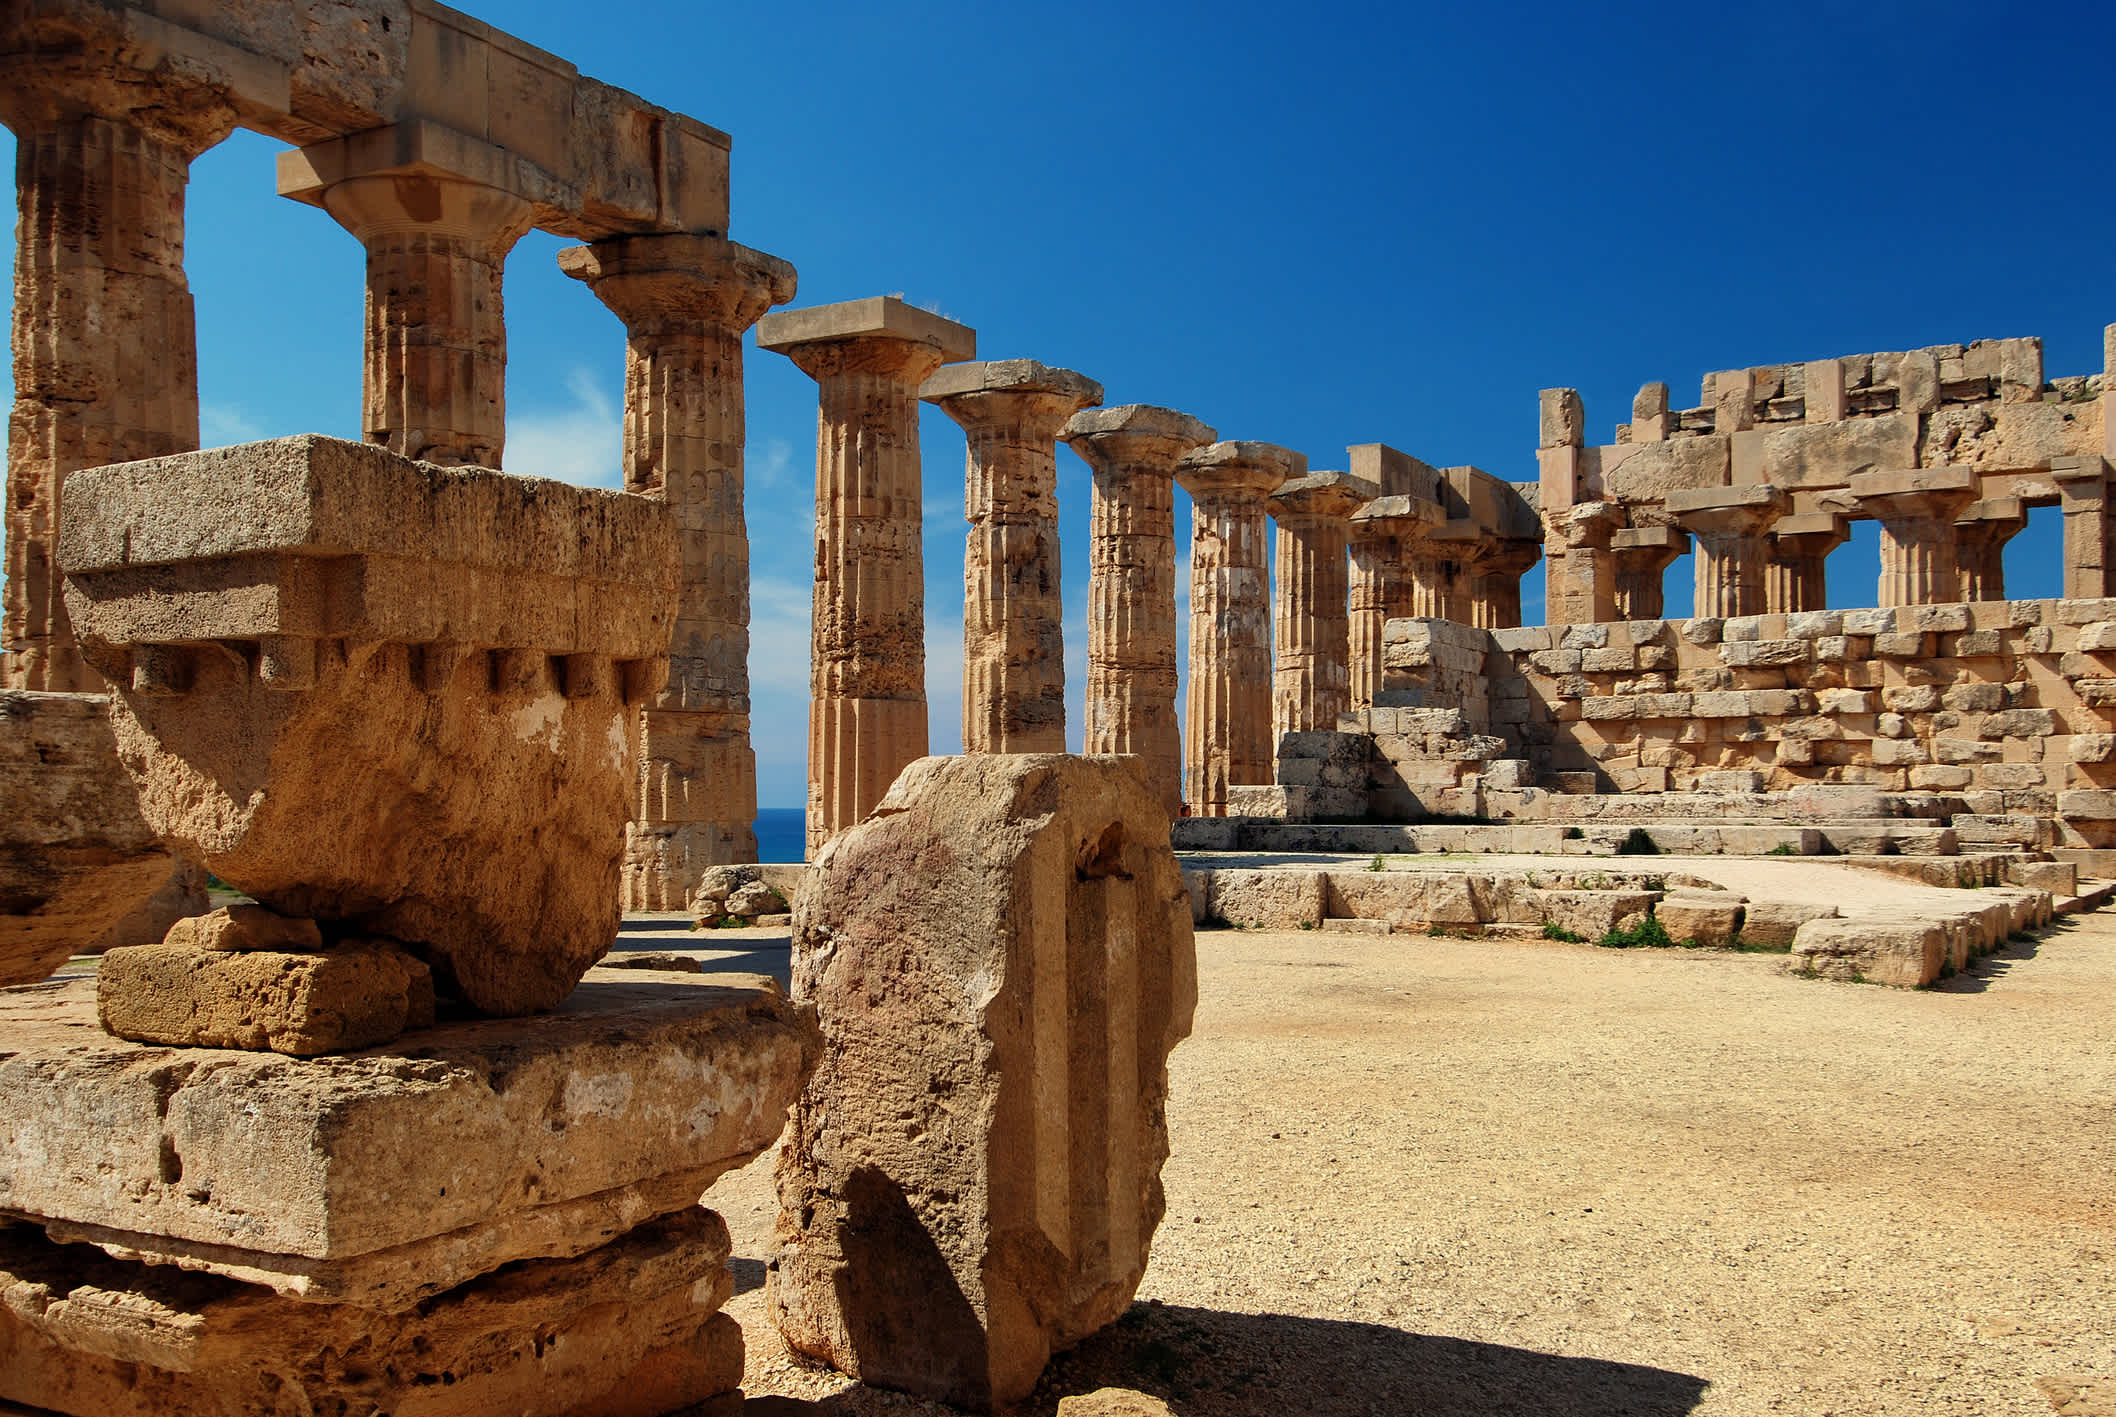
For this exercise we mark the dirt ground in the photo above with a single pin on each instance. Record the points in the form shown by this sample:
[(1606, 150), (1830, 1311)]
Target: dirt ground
[(1432, 1176)]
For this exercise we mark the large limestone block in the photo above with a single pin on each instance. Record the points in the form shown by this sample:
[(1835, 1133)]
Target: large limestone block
[(384, 1177), (78, 863), (1905, 953), (372, 691), (354, 995), (1001, 957), (633, 1328)]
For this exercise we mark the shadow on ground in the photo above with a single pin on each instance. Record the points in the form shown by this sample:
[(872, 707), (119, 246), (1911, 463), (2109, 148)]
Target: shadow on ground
[(1983, 973), (1207, 1363)]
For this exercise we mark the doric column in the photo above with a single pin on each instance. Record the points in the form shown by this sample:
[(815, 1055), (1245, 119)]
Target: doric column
[(106, 358), (1227, 718), (1438, 564), (867, 669), (437, 226), (1495, 582), (1731, 526), (1980, 536), (1013, 653), (1580, 574), (1642, 555), (2083, 487), (685, 302), (1131, 583), (1917, 511), (1311, 682), (1379, 587), (1793, 575)]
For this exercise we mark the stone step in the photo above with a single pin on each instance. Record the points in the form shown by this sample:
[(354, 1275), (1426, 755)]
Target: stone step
[(2093, 895), (1338, 926)]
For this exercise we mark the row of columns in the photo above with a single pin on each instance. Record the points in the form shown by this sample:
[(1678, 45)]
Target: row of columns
[(1939, 544), (1341, 575), (106, 371)]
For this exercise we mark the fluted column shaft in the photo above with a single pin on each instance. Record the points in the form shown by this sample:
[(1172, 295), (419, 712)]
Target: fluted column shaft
[(434, 372), (1980, 549), (1580, 584), (1495, 583), (1131, 584), (1311, 680), (1794, 575), (1227, 713), (1010, 412), (1731, 525), (1640, 579), (685, 302), (106, 355)]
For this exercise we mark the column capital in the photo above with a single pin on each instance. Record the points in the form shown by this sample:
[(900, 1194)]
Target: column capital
[(678, 281), (414, 178), (179, 87), (1325, 496), (1508, 556), (992, 390), (1410, 519), (1669, 540), (879, 335), (1237, 467), (1138, 437), (1935, 492), (1584, 523), (1993, 513), (1728, 511), (1811, 533)]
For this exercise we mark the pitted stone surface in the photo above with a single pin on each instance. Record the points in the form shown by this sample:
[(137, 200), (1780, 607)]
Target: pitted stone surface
[(1002, 960), (386, 1176), (339, 674), (79, 867), (630, 1329)]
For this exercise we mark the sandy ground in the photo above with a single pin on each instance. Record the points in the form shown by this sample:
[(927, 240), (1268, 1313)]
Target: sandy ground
[(1429, 1176)]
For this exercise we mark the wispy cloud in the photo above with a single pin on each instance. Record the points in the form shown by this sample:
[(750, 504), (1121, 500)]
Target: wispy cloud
[(222, 424), (582, 443)]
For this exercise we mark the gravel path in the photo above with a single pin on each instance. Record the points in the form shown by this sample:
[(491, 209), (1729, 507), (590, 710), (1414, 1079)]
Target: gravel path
[(1432, 1176)]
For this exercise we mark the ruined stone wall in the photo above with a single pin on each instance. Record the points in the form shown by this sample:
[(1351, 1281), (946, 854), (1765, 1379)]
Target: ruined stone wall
[(2009, 704)]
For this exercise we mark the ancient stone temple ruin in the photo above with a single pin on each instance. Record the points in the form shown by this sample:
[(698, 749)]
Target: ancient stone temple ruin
[(382, 1133)]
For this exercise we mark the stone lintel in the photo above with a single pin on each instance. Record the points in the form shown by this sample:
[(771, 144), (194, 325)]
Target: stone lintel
[(1912, 482), (1008, 376), (1758, 497), (1650, 538), (1395, 472), (382, 1176), (1811, 524), (1993, 509), (1323, 494), (877, 317), (147, 46), (2091, 468)]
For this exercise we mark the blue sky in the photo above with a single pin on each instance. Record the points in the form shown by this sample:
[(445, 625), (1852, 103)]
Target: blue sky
[(1310, 225)]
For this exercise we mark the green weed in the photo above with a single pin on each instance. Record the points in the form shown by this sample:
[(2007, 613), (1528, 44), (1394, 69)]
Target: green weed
[(1554, 931), (1648, 934)]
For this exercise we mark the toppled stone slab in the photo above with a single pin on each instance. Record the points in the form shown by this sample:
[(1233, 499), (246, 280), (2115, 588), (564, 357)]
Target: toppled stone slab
[(1903, 953), (630, 1329), (80, 869), (664, 961), (357, 994), (743, 894), (1002, 960), (1774, 923), (1257, 899), (341, 673), (386, 1176), (1705, 919)]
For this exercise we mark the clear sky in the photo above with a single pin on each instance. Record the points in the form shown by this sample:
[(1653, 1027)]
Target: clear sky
[(1310, 225)]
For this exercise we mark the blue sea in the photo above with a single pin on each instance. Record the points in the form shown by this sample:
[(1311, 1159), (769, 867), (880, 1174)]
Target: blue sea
[(782, 834)]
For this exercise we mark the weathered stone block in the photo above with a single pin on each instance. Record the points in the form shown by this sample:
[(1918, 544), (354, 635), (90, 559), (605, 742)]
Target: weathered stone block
[(2018, 723), (1002, 959), (630, 1328), (1773, 924), (340, 673), (2092, 747), (1706, 919), (2088, 804), (1764, 654), (1974, 698), (1902, 646), (356, 994), (1940, 778), (384, 1177), (76, 858), (1588, 912), (1905, 954)]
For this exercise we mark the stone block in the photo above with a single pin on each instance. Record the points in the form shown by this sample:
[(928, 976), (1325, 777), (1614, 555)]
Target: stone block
[(356, 994), (1508, 774), (1614, 660), (1906, 954), (2088, 804), (1741, 629), (340, 672), (1765, 654), (1002, 960), (1902, 646), (1732, 780), (1939, 778), (1773, 924), (1932, 619), (1978, 644), (1844, 701), (1813, 624), (1870, 622), (1590, 913), (2018, 723), (631, 1327), (1571, 784), (2091, 747), (382, 1178), (2059, 878), (1706, 919), (77, 860), (2097, 637), (1704, 631), (1965, 750), (1911, 698), (2096, 693), (2008, 777), (1555, 661), (1974, 698)]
